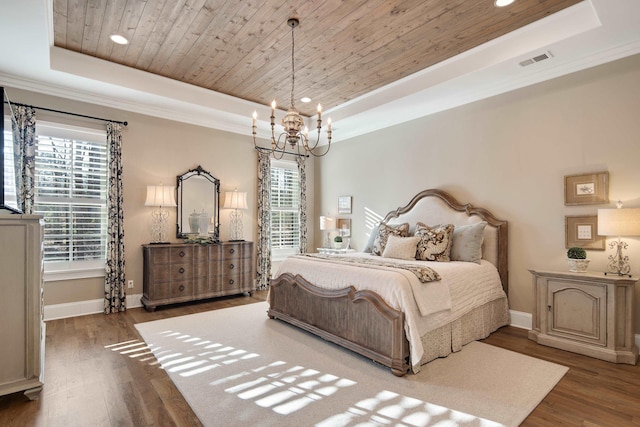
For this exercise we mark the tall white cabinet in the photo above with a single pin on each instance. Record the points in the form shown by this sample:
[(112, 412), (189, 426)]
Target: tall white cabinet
[(22, 332)]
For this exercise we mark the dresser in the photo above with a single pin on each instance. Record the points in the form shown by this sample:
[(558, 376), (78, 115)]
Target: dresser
[(588, 313), (22, 332), (187, 272)]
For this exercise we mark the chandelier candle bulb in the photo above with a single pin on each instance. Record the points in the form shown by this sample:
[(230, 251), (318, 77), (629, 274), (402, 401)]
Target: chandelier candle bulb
[(273, 113)]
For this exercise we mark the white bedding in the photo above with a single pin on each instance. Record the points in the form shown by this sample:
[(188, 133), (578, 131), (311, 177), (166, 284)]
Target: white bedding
[(463, 287)]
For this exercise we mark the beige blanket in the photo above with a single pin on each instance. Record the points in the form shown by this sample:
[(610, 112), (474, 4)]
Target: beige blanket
[(430, 298)]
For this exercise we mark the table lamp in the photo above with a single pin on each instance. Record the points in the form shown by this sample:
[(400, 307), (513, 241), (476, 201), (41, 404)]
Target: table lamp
[(327, 224), (159, 196), (236, 200), (619, 222)]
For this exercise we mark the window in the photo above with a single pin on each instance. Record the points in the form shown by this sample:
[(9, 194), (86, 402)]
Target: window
[(71, 195), (285, 209), (9, 165)]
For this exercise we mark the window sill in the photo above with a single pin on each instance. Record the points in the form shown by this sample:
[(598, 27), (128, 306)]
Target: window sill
[(84, 273)]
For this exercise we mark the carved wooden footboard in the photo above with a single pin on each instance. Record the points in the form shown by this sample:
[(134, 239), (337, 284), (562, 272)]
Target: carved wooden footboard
[(358, 320)]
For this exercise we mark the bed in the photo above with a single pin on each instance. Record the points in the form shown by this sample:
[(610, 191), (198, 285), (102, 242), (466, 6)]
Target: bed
[(384, 311)]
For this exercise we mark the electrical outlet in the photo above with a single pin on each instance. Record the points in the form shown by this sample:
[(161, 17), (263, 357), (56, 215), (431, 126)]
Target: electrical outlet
[(130, 284)]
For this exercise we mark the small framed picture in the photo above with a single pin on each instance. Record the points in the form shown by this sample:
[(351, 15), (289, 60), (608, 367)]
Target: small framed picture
[(582, 231), (586, 189), (344, 204), (344, 227)]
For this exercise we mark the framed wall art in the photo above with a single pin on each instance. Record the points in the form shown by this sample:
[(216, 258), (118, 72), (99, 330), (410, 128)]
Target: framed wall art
[(344, 204), (586, 189), (344, 227), (582, 231)]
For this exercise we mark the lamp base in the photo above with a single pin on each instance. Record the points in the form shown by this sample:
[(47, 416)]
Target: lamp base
[(159, 243), (235, 240)]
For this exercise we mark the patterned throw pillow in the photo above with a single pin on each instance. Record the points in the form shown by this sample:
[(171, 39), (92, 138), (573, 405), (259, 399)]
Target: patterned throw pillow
[(384, 231), (435, 242)]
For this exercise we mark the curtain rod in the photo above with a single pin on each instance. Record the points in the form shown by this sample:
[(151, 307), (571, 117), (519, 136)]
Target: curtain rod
[(67, 113), (284, 152)]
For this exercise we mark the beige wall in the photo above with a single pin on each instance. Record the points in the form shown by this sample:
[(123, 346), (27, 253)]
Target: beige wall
[(509, 154), (156, 150)]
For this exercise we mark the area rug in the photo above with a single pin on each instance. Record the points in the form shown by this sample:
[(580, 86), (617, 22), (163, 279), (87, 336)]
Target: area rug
[(236, 366)]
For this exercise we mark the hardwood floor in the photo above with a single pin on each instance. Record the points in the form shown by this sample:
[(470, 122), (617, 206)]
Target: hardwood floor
[(94, 378)]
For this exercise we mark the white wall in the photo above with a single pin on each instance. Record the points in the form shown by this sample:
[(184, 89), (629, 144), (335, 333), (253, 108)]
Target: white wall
[(510, 154)]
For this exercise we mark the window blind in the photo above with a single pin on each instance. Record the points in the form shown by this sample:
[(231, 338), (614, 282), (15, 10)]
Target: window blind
[(285, 208), (71, 195)]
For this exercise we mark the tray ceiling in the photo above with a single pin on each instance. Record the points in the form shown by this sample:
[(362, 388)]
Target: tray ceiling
[(344, 49)]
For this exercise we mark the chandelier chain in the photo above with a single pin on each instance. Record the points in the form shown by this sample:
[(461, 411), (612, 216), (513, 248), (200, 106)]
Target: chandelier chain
[(293, 67)]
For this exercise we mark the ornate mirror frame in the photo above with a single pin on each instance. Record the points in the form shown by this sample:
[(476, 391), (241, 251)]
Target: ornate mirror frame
[(198, 204)]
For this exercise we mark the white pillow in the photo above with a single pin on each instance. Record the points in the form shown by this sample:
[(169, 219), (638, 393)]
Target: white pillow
[(401, 247)]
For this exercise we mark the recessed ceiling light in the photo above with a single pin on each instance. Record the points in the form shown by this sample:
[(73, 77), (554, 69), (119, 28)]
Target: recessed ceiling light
[(116, 38), (305, 99), (503, 3)]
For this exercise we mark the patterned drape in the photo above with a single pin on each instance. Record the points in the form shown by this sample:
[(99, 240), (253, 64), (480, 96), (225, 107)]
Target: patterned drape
[(115, 292), (24, 142), (264, 219), (302, 175)]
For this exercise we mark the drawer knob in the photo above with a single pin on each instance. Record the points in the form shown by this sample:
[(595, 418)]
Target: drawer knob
[(181, 270), (232, 251), (181, 288), (231, 281), (231, 266), (182, 254)]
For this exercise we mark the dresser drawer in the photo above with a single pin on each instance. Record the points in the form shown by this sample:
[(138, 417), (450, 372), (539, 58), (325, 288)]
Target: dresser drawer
[(177, 289), (180, 271), (181, 254), (235, 281)]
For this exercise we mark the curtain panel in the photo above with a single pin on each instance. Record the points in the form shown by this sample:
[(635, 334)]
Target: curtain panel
[(264, 220), (302, 176), (24, 141), (115, 290)]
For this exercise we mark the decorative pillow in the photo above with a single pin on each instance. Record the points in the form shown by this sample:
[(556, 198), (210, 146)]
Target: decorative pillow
[(372, 237), (401, 247), (435, 242), (384, 231), (467, 242)]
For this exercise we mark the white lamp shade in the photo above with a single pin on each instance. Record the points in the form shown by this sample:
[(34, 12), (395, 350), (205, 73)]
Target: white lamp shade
[(619, 222), (160, 195), (235, 200), (327, 223)]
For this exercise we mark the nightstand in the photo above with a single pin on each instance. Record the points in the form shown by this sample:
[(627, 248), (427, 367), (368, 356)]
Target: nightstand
[(586, 313), (334, 251)]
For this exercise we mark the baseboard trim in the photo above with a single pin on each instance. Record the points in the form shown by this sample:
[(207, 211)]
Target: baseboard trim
[(83, 308), (520, 319)]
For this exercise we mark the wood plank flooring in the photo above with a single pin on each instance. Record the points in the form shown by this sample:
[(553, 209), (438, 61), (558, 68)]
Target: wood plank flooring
[(91, 378)]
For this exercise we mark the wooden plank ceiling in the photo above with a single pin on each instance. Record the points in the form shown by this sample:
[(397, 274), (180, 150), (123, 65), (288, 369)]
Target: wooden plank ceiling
[(343, 48)]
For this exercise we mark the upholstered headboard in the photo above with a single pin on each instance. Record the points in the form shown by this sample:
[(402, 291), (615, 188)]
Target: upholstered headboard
[(439, 207)]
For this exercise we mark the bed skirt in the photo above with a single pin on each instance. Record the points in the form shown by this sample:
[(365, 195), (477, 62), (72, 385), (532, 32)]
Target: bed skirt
[(475, 325)]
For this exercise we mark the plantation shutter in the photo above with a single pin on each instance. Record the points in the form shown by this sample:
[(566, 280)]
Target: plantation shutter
[(285, 209), (71, 194)]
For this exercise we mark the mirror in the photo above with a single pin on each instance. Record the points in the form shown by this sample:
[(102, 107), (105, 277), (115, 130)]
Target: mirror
[(198, 205)]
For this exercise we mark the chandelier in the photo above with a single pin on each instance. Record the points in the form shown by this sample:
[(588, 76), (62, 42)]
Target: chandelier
[(294, 134)]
